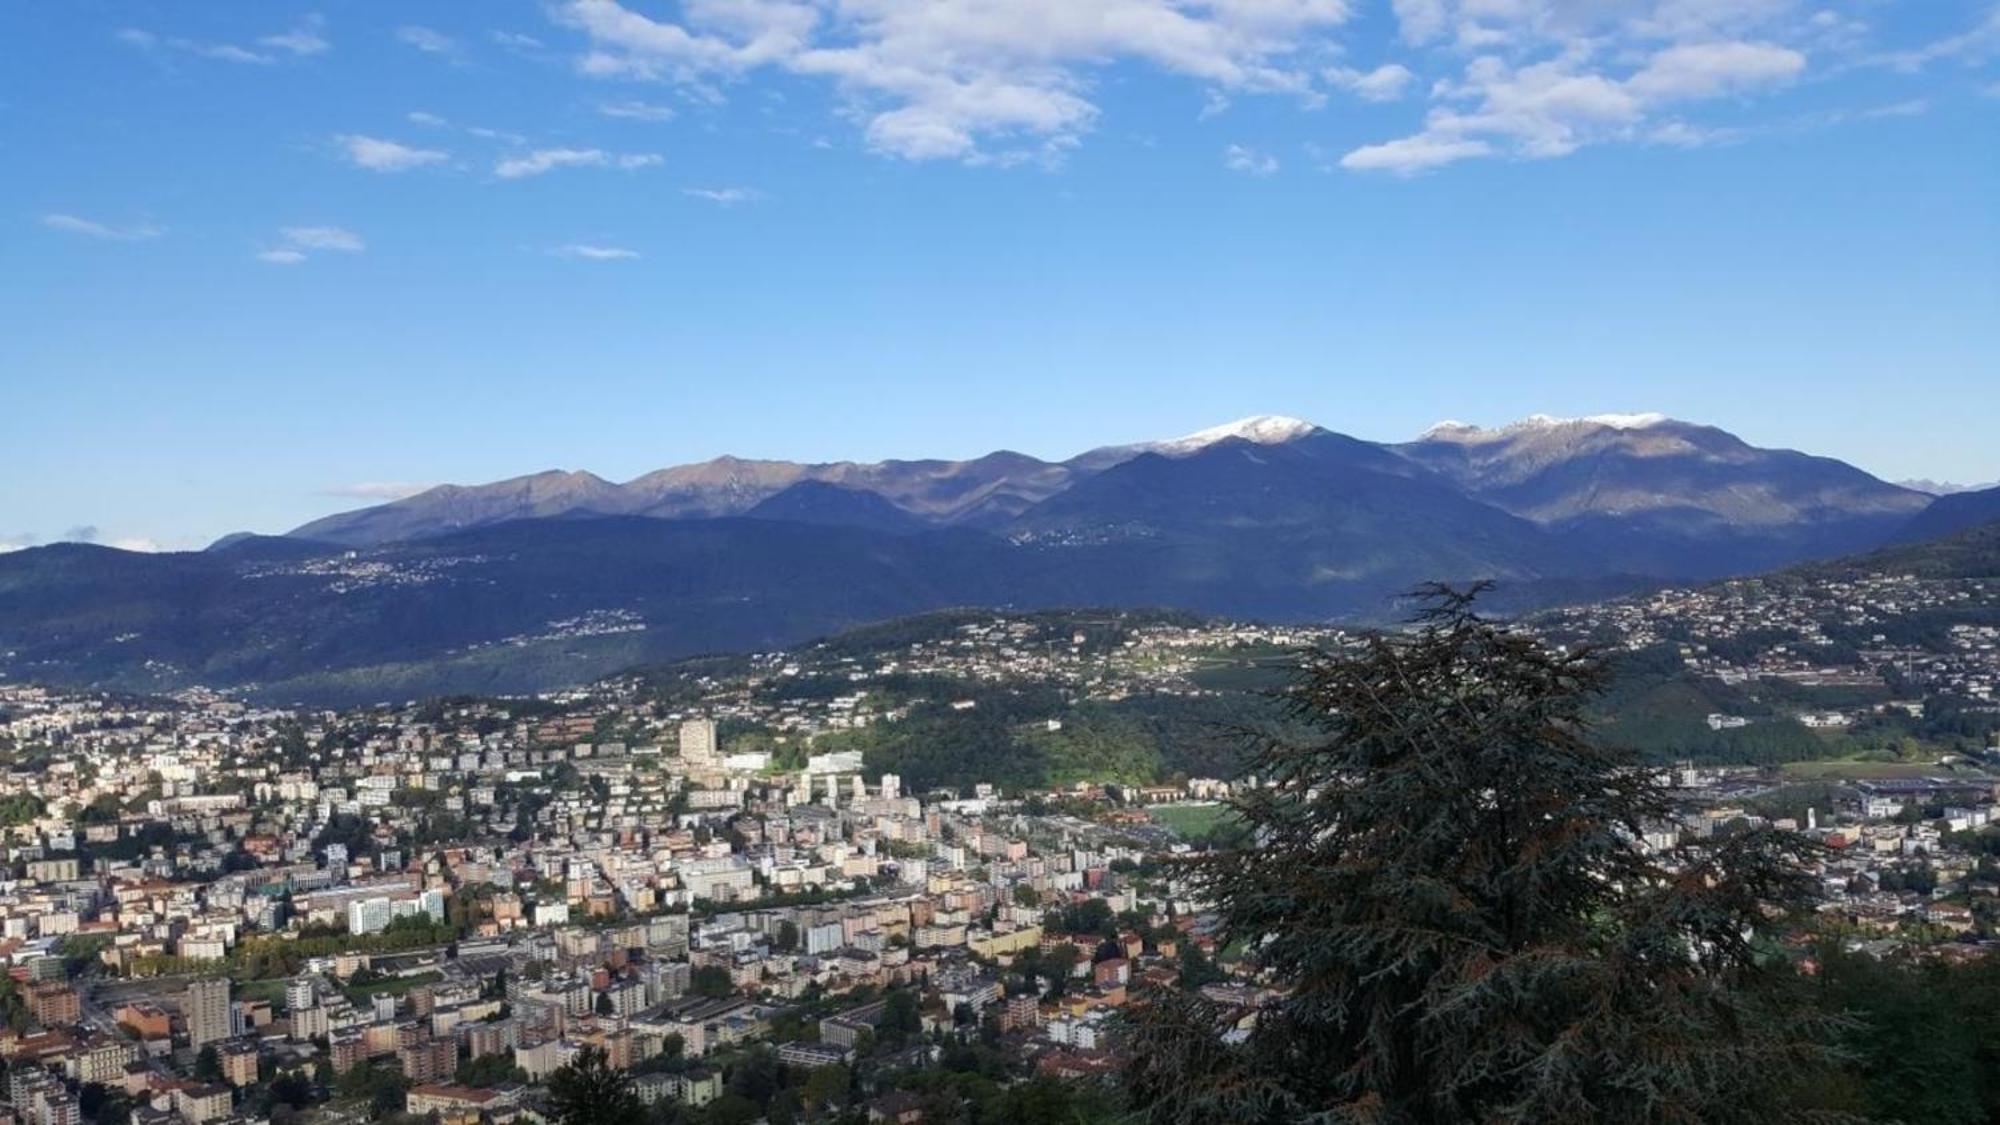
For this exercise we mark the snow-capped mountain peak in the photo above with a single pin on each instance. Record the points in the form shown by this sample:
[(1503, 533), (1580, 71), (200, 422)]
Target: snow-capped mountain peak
[(1610, 421), (1451, 430), (1262, 429)]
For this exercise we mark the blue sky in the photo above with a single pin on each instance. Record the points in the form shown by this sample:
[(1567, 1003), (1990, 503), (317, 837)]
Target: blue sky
[(261, 261)]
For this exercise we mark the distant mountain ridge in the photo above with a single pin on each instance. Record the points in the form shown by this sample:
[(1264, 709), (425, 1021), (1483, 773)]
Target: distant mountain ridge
[(1638, 494), (1952, 513), (1656, 495), (1638, 491), (985, 491), (1944, 487), (559, 577)]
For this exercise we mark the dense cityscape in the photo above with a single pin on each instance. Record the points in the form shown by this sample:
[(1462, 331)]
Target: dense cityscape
[(226, 911)]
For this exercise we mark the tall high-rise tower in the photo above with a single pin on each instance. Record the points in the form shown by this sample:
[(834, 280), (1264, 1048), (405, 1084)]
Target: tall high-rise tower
[(207, 1012), (698, 743)]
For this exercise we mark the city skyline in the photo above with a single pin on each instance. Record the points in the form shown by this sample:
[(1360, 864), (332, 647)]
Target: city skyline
[(260, 260)]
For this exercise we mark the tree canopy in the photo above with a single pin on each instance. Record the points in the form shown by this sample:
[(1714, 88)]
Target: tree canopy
[(589, 1092), (1450, 888)]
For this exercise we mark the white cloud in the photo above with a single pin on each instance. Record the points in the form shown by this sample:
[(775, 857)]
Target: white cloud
[(376, 490), (324, 238), (17, 542), (1420, 21), (1681, 134), (728, 196), (969, 80), (379, 155), (1249, 161), (549, 159), (91, 228), (1412, 154), (1709, 70), (586, 252), (1007, 81), (1972, 46), (141, 544), (1385, 83), (637, 111), (429, 120), (296, 244), (485, 133), (227, 52), (1543, 78), (427, 40), (515, 41), (304, 39), (1913, 107)]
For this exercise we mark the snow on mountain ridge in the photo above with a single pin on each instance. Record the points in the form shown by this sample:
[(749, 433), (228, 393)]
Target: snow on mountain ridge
[(1262, 429), (1451, 429)]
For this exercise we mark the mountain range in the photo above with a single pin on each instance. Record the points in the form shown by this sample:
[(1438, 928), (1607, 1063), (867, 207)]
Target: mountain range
[(555, 577), (1637, 492)]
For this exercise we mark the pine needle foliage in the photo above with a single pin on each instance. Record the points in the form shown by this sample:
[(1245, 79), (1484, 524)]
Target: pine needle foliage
[(1449, 888), (589, 1091)]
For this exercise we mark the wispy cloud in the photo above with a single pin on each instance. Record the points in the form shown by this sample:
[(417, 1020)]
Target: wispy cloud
[(377, 154), (1410, 155), (324, 238), (1913, 107), (1681, 134), (427, 40), (515, 41), (225, 52), (1538, 79), (974, 82), (1250, 162), (376, 490), (297, 244), (637, 111), (90, 228), (583, 251), (1005, 83), (1974, 45), (549, 159), (1385, 83), (726, 196), (307, 37)]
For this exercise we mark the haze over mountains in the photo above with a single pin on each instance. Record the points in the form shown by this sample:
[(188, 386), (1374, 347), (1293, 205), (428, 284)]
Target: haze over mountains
[(559, 576)]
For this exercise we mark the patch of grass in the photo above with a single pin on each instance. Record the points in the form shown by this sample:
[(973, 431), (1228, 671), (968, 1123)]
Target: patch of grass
[(271, 991), (1862, 771), (393, 986), (1191, 821)]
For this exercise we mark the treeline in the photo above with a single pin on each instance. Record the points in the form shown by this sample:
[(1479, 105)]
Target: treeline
[(1922, 1038), (1005, 737), (270, 956)]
